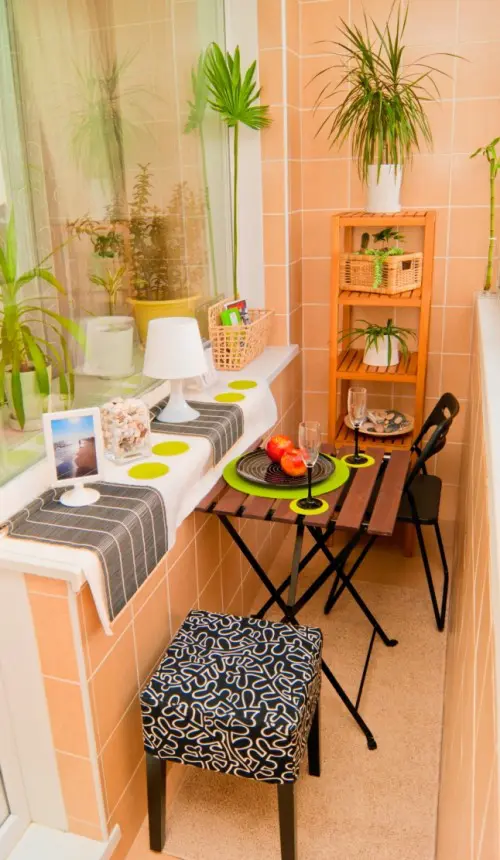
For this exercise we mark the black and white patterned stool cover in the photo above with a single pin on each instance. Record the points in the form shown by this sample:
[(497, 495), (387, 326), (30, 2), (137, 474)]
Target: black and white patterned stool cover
[(235, 695)]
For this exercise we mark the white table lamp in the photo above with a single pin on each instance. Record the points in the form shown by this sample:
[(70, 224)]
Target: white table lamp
[(174, 350)]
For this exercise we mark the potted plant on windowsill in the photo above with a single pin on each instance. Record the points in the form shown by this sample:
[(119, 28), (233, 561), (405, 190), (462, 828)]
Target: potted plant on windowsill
[(233, 95), (383, 343), (27, 357), (382, 104), (157, 253)]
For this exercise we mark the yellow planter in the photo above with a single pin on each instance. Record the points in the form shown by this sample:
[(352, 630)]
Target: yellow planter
[(146, 310)]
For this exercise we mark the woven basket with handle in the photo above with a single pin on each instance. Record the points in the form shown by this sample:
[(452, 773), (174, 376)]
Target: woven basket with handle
[(233, 347), (401, 273)]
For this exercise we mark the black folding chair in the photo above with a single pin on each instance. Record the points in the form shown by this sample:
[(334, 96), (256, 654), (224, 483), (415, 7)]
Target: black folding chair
[(421, 500)]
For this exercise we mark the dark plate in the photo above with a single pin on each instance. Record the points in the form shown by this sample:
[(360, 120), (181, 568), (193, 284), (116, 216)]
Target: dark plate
[(258, 468)]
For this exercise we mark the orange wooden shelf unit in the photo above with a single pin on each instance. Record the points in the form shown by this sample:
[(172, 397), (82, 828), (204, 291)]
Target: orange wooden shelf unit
[(347, 364)]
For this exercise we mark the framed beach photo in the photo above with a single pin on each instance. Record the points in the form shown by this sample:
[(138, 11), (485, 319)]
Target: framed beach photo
[(74, 446)]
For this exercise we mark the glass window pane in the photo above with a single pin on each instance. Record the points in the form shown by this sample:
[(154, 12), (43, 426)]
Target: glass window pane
[(118, 178), (4, 806)]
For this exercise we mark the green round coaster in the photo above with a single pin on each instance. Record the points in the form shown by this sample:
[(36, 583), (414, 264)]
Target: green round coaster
[(146, 471), (229, 397), (242, 384), (170, 449), (336, 479), (295, 507), (367, 461)]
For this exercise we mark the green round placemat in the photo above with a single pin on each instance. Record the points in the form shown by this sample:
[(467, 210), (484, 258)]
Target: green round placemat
[(170, 449), (146, 471), (242, 384), (229, 397), (367, 461), (336, 479), (295, 507)]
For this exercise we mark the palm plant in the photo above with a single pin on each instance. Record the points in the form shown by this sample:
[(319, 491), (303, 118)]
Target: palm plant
[(374, 333), (112, 282), (195, 122), (233, 94), (21, 347), (103, 123), (490, 153), (384, 108)]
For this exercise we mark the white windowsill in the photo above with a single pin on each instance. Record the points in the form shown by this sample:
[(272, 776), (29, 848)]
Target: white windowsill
[(43, 843), (21, 490)]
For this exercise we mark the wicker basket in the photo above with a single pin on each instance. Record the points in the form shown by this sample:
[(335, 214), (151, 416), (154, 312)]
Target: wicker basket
[(233, 347), (399, 274)]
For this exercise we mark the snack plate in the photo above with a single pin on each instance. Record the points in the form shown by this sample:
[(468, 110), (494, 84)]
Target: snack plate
[(260, 469), (389, 422)]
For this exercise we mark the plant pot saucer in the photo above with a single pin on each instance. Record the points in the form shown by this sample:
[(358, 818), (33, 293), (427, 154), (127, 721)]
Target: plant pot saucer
[(82, 371), (30, 424)]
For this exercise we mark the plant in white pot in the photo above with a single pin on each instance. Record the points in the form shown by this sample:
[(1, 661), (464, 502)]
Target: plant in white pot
[(383, 343), (382, 104), (28, 351)]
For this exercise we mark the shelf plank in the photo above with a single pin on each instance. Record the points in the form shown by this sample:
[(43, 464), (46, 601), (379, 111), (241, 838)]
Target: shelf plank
[(383, 219), (350, 365), (345, 436), (408, 299)]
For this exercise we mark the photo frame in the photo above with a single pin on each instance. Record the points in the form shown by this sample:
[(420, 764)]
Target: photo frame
[(75, 452)]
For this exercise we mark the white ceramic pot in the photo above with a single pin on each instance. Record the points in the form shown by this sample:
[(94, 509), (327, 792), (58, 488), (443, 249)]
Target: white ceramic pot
[(109, 347), (378, 356), (384, 190), (34, 404)]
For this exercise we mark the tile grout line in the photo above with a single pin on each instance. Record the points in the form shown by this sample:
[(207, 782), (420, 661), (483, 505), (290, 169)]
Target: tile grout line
[(78, 641)]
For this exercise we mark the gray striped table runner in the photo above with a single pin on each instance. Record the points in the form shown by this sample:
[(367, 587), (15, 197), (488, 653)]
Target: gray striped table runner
[(126, 528), (221, 423)]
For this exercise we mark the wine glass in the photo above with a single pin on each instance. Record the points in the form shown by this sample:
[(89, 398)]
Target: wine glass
[(309, 444), (356, 407)]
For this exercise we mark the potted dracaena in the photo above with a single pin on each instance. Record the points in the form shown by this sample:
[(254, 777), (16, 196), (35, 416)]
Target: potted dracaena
[(383, 343), (33, 338), (382, 102), (493, 159), (233, 94)]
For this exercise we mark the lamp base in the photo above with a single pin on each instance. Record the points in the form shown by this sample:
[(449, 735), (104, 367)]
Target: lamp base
[(79, 496), (177, 411)]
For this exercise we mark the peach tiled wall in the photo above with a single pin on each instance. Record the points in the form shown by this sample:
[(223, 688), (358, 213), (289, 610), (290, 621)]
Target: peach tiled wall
[(92, 681), (325, 180), (469, 811)]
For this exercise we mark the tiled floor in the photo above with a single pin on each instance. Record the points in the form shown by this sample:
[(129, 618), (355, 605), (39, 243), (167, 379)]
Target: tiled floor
[(377, 805)]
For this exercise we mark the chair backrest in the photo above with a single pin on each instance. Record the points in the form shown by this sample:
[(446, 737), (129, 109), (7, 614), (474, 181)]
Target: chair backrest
[(441, 419)]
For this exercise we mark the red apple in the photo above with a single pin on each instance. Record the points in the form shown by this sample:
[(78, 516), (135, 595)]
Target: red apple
[(277, 446), (292, 463)]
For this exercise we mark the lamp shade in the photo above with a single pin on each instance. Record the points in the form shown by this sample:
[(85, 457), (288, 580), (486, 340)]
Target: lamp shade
[(174, 349)]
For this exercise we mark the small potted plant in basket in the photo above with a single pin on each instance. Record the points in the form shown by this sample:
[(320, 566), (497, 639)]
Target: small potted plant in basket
[(387, 269), (383, 343)]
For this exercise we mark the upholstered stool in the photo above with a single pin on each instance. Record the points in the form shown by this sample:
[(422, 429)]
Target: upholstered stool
[(235, 695)]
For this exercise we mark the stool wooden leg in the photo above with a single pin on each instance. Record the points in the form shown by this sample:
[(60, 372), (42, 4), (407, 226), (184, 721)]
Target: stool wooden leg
[(286, 806), (156, 769), (313, 745)]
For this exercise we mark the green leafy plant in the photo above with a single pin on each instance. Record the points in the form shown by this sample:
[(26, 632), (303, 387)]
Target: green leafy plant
[(196, 122), (493, 159), (383, 111), (109, 116), (107, 241), (112, 282), (380, 255), (388, 234), (233, 94), (374, 333), (22, 348)]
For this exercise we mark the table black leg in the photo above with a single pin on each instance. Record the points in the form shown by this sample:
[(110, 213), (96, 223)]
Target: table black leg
[(294, 573), (290, 616), (346, 582), (286, 582), (335, 592)]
